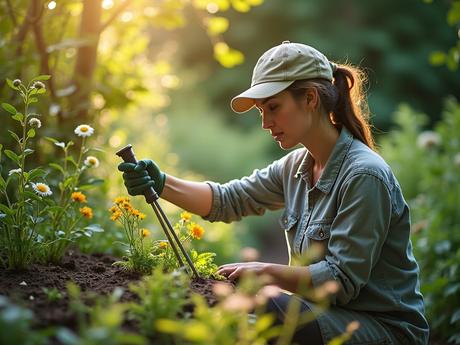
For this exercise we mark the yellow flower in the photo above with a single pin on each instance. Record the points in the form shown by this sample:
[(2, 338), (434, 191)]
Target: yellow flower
[(116, 215), (121, 199), (185, 216), (163, 244), (87, 212), (195, 230), (114, 209), (145, 232), (137, 213), (78, 197), (126, 205)]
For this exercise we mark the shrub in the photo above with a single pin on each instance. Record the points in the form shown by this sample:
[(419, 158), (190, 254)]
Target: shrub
[(427, 164)]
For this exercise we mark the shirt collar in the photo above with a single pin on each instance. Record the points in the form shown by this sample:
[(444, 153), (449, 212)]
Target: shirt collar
[(332, 168)]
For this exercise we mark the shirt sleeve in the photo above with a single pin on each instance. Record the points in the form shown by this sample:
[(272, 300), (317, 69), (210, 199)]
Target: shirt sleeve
[(251, 195), (357, 236)]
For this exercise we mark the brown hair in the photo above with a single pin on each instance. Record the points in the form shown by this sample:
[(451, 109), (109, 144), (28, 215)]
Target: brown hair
[(343, 99)]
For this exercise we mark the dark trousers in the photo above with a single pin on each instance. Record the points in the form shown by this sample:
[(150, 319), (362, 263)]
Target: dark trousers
[(308, 333)]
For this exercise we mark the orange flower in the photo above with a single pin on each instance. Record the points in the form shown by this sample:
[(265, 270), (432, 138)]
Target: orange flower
[(195, 230), (145, 232), (185, 216), (86, 212), (126, 205), (78, 197), (116, 215), (121, 199), (137, 213)]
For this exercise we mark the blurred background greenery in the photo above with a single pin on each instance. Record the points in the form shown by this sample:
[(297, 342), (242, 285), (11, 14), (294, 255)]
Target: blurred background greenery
[(160, 75)]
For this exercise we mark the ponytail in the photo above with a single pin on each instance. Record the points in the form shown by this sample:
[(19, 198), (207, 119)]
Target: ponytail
[(343, 99)]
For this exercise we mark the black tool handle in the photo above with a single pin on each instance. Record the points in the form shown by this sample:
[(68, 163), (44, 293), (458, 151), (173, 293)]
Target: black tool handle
[(127, 154)]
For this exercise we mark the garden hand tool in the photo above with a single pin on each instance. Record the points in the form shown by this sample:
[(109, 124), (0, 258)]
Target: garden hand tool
[(151, 197)]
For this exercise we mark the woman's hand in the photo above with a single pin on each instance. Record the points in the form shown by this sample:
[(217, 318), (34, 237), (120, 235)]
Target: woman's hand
[(290, 278), (235, 270)]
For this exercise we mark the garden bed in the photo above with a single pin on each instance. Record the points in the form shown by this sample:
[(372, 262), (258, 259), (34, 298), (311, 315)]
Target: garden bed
[(91, 272)]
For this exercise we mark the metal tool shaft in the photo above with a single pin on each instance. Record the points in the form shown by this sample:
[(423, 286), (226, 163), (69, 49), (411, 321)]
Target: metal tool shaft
[(151, 197)]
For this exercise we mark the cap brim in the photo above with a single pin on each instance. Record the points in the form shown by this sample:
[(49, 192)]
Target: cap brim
[(247, 99)]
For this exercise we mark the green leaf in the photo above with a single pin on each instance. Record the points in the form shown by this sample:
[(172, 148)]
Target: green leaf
[(91, 184), (71, 160), (6, 209), (32, 100), (18, 117), (15, 136), (455, 317), (453, 16), (94, 228), (41, 78), (54, 141), (28, 152), (33, 174), (41, 91), (32, 195), (31, 133), (9, 108), (13, 156), (10, 84), (57, 167)]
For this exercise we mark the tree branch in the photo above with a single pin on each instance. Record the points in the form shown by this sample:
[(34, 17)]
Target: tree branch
[(114, 15), (11, 13)]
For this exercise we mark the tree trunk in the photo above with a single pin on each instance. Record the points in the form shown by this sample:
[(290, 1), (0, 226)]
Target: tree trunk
[(86, 60)]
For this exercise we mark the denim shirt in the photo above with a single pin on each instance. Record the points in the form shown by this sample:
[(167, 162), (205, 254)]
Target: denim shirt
[(357, 214)]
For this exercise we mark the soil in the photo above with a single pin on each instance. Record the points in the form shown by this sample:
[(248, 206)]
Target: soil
[(93, 273)]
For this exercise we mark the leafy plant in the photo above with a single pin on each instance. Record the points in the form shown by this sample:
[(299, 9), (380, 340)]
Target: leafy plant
[(20, 217), (52, 294), (15, 325), (139, 251), (32, 221), (160, 296), (434, 196), (143, 254), (100, 323)]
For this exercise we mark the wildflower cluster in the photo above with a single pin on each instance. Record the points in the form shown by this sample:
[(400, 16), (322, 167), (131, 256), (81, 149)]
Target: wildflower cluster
[(139, 256), (187, 232), (40, 220)]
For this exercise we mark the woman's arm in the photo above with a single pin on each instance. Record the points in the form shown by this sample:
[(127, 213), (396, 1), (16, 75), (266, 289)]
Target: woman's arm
[(195, 197)]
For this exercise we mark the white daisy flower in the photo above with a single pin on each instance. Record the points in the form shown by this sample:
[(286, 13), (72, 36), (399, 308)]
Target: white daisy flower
[(41, 189), (428, 139), (35, 123), (14, 171), (91, 161), (84, 131), (38, 85)]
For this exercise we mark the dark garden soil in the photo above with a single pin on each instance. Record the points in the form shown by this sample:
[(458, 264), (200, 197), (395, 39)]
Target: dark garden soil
[(93, 273)]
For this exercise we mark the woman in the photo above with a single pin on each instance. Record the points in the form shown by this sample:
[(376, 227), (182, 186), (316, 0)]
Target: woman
[(337, 193)]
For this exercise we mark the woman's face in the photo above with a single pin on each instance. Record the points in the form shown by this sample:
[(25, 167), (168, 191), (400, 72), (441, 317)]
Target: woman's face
[(288, 120)]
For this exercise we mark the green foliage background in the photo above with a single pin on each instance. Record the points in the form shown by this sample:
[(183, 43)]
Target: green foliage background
[(163, 91)]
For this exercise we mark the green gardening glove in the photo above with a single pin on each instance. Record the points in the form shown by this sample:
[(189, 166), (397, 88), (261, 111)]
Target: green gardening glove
[(141, 176)]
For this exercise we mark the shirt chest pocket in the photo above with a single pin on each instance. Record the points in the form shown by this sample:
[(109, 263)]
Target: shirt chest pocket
[(288, 222), (316, 237)]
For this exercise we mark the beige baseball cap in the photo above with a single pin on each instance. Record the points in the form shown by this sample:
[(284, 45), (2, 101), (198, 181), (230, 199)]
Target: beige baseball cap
[(278, 68)]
